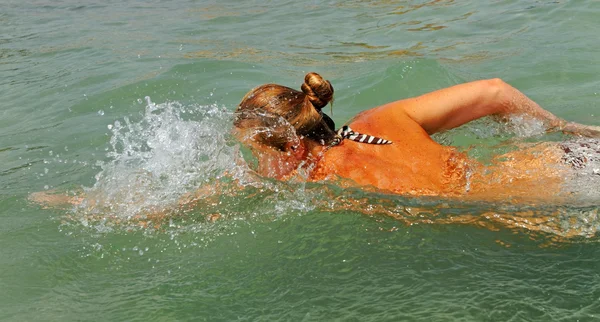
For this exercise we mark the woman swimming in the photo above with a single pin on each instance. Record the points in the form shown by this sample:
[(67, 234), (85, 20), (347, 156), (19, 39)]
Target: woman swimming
[(389, 148), (288, 132)]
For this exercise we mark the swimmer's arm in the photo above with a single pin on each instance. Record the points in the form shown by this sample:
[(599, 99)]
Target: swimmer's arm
[(454, 106), (53, 198)]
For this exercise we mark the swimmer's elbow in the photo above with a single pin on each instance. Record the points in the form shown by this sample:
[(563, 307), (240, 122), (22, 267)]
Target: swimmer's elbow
[(496, 85), (497, 96)]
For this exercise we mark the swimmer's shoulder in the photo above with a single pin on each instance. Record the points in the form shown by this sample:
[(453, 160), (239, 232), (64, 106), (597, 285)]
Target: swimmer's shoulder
[(389, 121)]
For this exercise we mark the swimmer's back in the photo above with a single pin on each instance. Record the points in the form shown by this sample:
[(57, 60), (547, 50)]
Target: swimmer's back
[(413, 163)]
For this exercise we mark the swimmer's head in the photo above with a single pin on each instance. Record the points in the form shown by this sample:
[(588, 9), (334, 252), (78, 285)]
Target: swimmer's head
[(277, 116)]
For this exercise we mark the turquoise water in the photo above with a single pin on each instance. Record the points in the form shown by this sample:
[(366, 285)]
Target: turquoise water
[(131, 102)]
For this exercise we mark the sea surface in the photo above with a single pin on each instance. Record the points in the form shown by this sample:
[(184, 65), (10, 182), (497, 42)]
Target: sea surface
[(127, 106)]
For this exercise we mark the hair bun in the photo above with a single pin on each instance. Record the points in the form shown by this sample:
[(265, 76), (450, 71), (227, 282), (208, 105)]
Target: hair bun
[(318, 90)]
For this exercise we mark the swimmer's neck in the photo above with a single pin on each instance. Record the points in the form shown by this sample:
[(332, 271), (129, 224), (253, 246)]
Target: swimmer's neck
[(314, 149)]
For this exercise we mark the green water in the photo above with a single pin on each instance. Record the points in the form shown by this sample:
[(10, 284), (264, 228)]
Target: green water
[(74, 116)]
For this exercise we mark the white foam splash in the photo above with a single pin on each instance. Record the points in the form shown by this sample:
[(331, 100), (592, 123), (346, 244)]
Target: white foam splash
[(525, 126), (153, 162)]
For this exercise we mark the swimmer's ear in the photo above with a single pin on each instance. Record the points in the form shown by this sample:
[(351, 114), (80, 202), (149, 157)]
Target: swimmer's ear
[(296, 149)]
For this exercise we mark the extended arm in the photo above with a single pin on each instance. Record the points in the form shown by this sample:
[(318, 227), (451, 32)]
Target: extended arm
[(454, 106)]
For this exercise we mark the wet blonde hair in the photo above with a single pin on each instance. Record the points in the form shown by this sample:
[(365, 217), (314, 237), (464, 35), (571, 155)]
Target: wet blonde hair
[(271, 114)]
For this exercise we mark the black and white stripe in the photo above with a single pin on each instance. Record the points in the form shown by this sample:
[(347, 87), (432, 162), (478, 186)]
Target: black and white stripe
[(347, 133)]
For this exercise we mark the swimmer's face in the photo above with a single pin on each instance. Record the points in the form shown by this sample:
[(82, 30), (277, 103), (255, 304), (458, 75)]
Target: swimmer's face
[(276, 163)]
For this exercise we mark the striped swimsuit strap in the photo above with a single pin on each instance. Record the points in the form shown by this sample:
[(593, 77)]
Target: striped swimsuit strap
[(347, 133)]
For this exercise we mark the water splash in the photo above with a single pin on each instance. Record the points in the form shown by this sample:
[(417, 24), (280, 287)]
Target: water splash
[(524, 126), (155, 161), (489, 129)]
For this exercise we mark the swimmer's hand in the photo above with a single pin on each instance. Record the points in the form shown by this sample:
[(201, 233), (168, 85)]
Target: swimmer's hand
[(53, 198), (573, 128)]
